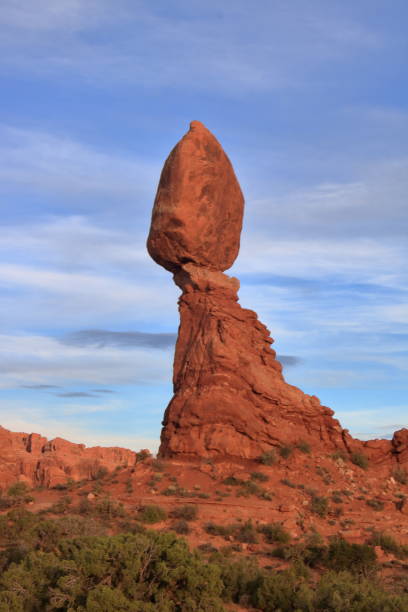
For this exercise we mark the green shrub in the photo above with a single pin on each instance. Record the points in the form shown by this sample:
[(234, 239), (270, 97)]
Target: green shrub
[(324, 473), (99, 472), (275, 533), (70, 564), (400, 474), (146, 572), (319, 505), (285, 451), (231, 481), (188, 513), (339, 455), (85, 506), (358, 558), (375, 504), (249, 487), (151, 514), (238, 577), (314, 555), (259, 476), (7, 502), (170, 490), (360, 460), (181, 527), (304, 447), (285, 592), (246, 533), (108, 508), (142, 455), (207, 548), (219, 530), (177, 491), (18, 489), (61, 505), (388, 544), (343, 592), (220, 494), (60, 486), (268, 458), (288, 483)]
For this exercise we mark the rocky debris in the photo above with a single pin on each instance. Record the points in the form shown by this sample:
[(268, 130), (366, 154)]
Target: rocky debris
[(230, 397), (33, 459)]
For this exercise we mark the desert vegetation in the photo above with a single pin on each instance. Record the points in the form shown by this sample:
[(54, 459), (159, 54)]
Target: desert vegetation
[(72, 564)]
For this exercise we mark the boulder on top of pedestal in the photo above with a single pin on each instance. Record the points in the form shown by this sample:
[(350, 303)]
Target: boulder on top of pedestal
[(197, 213)]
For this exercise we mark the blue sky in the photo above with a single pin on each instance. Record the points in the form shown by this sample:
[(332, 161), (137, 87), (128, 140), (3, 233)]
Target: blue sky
[(310, 101)]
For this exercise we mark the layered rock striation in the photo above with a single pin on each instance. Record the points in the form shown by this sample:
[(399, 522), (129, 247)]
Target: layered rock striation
[(230, 397)]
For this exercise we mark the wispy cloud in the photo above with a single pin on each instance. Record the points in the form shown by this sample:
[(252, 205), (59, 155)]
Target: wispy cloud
[(74, 295), (40, 162), (101, 338), (39, 360), (289, 360), (75, 394), (16, 416), (89, 409), (372, 206), (374, 423), (192, 46), (40, 387)]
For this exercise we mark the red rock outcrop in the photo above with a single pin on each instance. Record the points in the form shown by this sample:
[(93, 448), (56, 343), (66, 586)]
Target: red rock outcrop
[(230, 397), (40, 462), (197, 214)]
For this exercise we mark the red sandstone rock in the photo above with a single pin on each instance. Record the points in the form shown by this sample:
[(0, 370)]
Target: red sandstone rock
[(37, 461), (400, 445), (230, 397), (197, 214)]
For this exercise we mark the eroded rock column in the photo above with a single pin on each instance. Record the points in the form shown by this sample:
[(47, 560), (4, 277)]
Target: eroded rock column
[(230, 397)]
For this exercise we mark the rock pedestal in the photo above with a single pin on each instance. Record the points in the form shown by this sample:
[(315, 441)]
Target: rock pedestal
[(230, 397)]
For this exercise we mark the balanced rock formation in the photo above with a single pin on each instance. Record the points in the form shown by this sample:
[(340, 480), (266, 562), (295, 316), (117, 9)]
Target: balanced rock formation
[(230, 397), (197, 214), (33, 459)]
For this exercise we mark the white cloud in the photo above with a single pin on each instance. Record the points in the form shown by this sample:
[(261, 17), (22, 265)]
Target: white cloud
[(86, 285), (16, 416), (72, 409), (75, 243), (41, 360), (374, 423), (374, 206), (195, 45), (33, 161), (45, 14), (85, 300), (397, 313), (361, 260)]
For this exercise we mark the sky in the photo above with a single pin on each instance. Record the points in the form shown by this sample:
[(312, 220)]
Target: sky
[(310, 102)]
